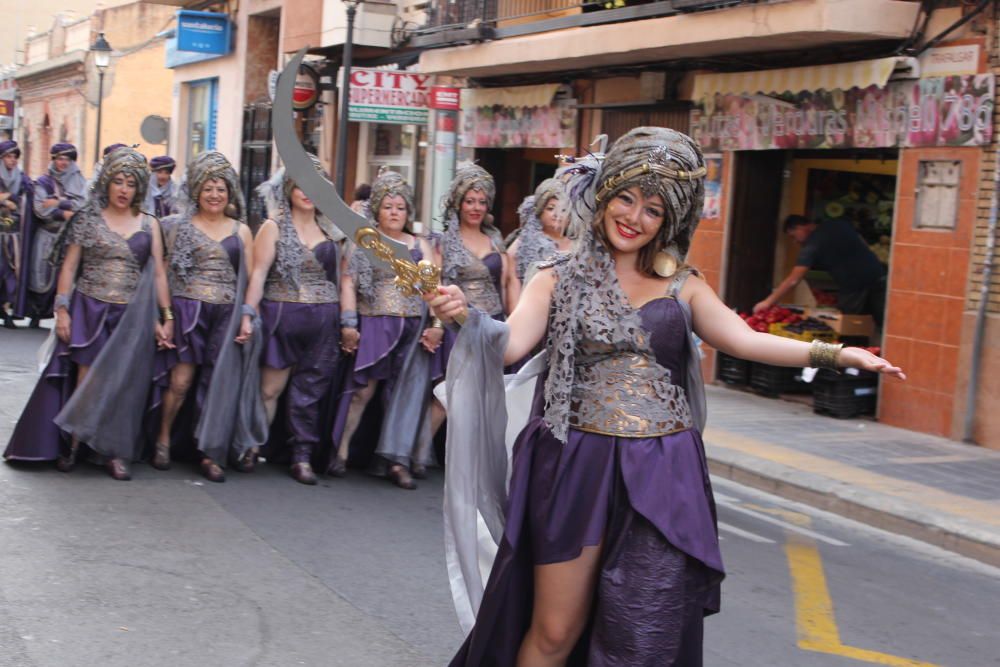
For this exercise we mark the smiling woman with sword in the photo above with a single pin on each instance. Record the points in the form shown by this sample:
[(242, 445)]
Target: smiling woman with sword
[(608, 550)]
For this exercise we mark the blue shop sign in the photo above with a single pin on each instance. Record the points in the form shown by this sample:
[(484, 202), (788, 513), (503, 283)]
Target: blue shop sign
[(204, 32)]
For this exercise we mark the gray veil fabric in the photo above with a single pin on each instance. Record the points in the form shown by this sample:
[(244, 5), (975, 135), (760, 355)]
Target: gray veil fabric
[(233, 418), (404, 420), (475, 458), (106, 409)]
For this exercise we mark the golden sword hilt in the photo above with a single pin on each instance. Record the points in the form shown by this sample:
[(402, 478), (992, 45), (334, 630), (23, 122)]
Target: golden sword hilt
[(412, 278)]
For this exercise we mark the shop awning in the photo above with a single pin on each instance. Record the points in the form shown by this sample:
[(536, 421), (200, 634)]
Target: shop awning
[(839, 76), (519, 96)]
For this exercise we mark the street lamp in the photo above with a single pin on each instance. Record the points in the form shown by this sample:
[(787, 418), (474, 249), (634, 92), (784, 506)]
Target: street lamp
[(345, 91), (102, 59)]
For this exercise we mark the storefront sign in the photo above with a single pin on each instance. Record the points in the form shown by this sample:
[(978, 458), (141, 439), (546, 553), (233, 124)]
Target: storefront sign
[(204, 32), (936, 111), (385, 96), (950, 60), (445, 99), (551, 126), (306, 90)]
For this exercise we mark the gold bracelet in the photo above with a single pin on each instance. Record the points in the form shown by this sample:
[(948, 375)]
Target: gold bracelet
[(166, 314), (436, 323), (824, 355)]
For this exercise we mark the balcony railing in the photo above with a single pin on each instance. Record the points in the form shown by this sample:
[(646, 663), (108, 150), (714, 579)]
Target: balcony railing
[(458, 21)]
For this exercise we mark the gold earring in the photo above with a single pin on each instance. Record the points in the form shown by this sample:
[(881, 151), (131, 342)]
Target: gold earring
[(665, 264)]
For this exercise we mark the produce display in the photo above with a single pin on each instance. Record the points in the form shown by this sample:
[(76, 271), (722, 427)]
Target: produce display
[(762, 321)]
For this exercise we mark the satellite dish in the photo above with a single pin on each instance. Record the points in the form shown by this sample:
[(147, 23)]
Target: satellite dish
[(155, 129)]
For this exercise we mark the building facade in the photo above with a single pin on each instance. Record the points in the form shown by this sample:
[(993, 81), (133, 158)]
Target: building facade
[(866, 110), (57, 88)]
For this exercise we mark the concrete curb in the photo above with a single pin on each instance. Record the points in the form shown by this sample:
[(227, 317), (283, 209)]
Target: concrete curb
[(875, 509)]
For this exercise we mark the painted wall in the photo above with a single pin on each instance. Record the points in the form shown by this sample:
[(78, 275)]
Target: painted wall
[(137, 84)]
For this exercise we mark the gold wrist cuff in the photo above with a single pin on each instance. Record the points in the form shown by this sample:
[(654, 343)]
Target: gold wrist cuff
[(824, 355), (166, 314), (436, 323)]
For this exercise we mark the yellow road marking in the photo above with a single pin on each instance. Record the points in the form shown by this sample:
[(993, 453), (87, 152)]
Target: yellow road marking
[(981, 511), (815, 622)]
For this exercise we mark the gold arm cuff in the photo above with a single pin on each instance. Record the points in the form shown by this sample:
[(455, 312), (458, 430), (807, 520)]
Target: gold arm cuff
[(824, 355)]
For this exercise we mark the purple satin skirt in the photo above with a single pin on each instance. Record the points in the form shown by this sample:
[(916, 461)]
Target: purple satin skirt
[(36, 437), (380, 356), (199, 328), (649, 503), (306, 338)]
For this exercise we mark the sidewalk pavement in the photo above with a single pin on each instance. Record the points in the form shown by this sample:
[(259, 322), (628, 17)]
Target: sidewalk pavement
[(932, 489)]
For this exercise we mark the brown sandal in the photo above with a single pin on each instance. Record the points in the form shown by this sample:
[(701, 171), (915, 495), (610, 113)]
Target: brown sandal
[(212, 471), (161, 457), (400, 476), (118, 469), (67, 459)]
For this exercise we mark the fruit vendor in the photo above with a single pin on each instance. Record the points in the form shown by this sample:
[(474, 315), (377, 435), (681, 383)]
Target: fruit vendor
[(835, 247)]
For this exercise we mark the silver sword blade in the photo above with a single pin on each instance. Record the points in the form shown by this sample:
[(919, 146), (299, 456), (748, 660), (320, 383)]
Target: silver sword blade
[(301, 170)]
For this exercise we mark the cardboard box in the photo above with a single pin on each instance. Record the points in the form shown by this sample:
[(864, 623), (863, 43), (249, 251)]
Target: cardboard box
[(845, 324)]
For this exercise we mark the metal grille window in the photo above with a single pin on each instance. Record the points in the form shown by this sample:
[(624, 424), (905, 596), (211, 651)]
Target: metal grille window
[(937, 194)]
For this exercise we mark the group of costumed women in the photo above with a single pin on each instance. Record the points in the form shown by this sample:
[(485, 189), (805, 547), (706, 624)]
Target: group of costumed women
[(197, 340)]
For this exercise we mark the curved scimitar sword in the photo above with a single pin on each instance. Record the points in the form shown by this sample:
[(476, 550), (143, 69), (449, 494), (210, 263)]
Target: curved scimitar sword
[(411, 277)]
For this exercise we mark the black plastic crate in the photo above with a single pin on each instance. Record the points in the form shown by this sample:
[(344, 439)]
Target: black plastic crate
[(845, 395), (772, 381), (732, 370)]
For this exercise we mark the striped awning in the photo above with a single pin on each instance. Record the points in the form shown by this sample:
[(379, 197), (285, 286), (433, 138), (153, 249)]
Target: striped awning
[(518, 96), (839, 76)]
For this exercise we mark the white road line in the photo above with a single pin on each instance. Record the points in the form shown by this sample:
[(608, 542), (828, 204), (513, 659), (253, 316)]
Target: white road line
[(746, 534), (787, 526)]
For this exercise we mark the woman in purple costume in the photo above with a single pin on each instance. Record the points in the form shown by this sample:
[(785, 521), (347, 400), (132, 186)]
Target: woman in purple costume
[(609, 553), (543, 230), (474, 258), (15, 209), (209, 252), (294, 285), (106, 328), (388, 334)]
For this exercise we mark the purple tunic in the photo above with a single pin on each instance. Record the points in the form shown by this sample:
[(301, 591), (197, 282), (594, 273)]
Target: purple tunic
[(647, 500), (36, 437)]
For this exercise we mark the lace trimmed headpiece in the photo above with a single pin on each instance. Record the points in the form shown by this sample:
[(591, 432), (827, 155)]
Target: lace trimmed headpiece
[(127, 161), (389, 184), (211, 165)]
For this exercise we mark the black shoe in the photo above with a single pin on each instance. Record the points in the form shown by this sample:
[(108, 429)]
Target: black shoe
[(303, 474), (337, 468), (8, 321), (419, 471), (67, 459), (35, 323)]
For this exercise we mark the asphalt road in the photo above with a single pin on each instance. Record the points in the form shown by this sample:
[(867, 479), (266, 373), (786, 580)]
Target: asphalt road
[(172, 570)]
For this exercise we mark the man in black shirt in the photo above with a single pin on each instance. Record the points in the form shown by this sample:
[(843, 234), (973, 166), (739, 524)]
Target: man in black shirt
[(835, 247)]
